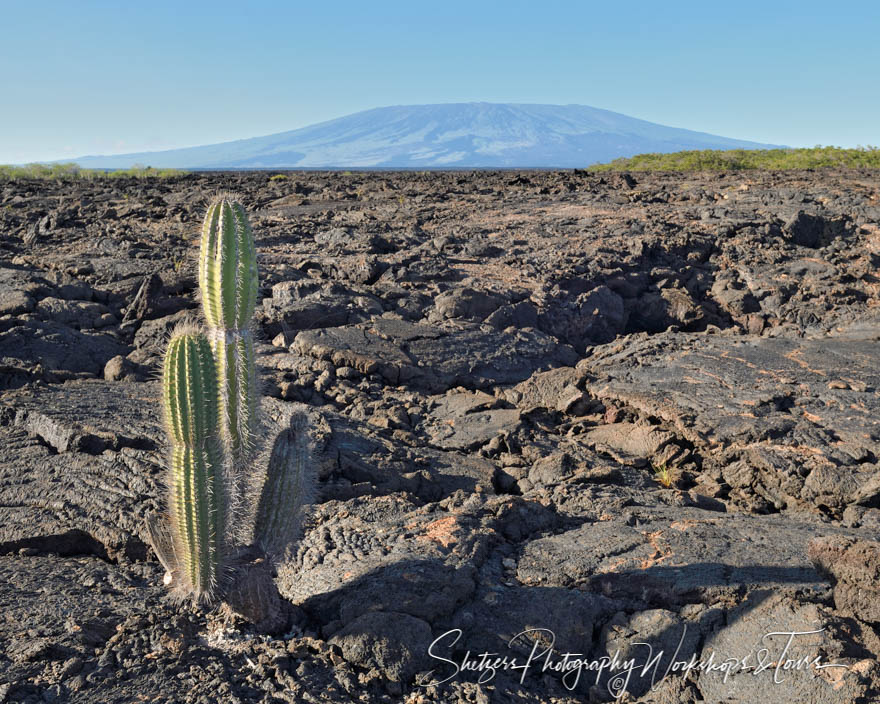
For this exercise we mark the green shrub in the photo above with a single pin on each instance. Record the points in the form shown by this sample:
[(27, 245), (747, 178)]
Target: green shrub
[(742, 159), (69, 172)]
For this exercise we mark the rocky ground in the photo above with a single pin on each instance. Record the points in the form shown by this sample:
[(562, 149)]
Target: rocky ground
[(621, 409)]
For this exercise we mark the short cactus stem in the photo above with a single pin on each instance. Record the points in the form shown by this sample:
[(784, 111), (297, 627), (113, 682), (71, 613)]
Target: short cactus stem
[(288, 486), (197, 501), (196, 516)]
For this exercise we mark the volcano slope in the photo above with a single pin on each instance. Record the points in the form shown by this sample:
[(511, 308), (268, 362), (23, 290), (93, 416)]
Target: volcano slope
[(553, 412)]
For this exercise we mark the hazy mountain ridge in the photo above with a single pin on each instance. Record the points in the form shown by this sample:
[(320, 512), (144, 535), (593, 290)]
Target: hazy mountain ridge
[(445, 135)]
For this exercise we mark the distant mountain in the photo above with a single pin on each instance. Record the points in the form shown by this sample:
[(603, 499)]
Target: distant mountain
[(441, 136)]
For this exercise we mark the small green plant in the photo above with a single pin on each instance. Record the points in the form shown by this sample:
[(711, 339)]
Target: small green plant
[(234, 502), (665, 475), (278, 177)]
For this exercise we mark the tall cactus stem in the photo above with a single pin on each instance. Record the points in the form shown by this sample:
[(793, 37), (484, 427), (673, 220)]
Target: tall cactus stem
[(229, 282)]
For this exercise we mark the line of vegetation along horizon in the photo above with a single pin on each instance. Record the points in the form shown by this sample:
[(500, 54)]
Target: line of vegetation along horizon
[(71, 171), (695, 160), (749, 159)]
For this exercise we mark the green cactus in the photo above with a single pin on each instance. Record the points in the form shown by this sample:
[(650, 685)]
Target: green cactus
[(197, 496), (210, 402), (288, 486), (228, 266), (228, 282)]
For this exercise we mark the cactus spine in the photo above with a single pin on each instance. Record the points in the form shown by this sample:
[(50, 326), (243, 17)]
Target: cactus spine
[(228, 282), (196, 493)]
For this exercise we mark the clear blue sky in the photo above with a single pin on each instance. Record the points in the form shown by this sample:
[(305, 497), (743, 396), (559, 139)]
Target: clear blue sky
[(86, 77)]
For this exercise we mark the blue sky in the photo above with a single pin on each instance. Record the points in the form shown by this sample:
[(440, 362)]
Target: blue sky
[(112, 77)]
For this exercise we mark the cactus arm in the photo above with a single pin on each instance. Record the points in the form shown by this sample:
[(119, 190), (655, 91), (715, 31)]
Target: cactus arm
[(289, 485), (197, 500), (196, 516)]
